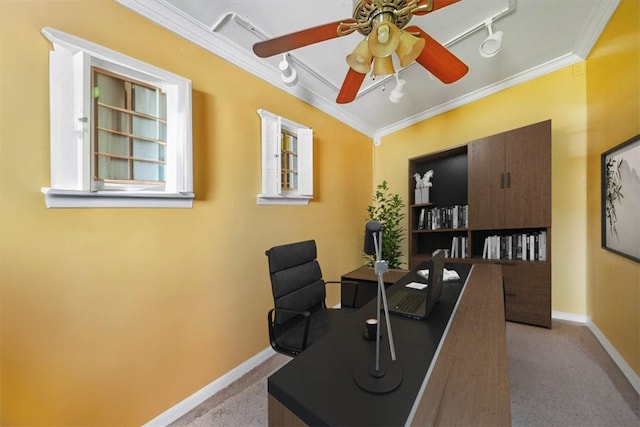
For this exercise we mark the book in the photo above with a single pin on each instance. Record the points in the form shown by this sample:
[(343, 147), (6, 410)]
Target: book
[(485, 248), (421, 219), (542, 248)]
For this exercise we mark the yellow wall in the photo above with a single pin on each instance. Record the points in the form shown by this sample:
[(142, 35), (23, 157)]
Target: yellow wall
[(112, 316), (613, 95), (559, 96)]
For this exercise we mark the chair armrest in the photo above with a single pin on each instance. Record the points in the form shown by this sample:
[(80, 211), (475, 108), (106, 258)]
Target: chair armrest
[(352, 284), (272, 332)]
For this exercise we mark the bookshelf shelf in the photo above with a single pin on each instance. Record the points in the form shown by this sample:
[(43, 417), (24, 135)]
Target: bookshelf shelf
[(442, 230)]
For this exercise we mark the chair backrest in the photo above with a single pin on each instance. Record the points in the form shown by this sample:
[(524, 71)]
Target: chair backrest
[(296, 278)]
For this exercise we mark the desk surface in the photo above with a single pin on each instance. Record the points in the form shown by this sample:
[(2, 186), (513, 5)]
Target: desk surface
[(367, 274), (469, 380), (367, 288), (318, 387)]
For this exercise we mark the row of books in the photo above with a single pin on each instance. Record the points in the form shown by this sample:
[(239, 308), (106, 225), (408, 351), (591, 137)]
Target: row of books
[(449, 217), (459, 247), (517, 246)]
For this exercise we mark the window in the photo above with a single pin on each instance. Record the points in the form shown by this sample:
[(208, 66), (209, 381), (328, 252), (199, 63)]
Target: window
[(287, 161), (130, 130), (120, 130)]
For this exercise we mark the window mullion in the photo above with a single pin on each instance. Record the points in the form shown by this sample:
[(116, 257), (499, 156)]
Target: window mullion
[(129, 106)]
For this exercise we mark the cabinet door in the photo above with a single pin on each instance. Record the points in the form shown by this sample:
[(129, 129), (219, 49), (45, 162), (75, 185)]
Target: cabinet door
[(528, 176), (486, 182), (527, 292)]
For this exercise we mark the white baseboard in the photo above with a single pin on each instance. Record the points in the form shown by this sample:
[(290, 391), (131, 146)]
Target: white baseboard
[(191, 402), (633, 378), (570, 317)]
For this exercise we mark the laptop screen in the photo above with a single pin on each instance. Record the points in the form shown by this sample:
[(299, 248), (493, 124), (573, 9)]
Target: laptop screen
[(435, 279)]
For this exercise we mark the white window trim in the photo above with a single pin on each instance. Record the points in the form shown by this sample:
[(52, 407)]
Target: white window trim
[(71, 177), (272, 125)]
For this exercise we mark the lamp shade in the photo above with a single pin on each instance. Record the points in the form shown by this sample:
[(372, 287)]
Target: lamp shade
[(384, 39), (409, 48), (360, 59), (383, 65)]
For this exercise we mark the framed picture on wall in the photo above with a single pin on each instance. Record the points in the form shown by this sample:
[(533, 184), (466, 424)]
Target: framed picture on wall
[(621, 199)]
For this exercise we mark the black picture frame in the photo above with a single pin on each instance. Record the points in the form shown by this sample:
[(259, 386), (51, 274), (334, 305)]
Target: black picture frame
[(620, 205)]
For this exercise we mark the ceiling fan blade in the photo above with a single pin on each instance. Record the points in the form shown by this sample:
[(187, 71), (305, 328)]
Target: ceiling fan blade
[(350, 87), (299, 39), (437, 4), (438, 60)]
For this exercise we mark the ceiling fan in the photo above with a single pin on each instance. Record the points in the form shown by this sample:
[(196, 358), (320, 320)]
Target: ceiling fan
[(383, 23)]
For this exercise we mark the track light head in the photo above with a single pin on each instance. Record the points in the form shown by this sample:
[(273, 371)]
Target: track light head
[(288, 74), (397, 93), (492, 44)]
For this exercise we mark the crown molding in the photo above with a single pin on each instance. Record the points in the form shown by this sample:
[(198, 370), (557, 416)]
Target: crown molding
[(597, 21), (515, 80)]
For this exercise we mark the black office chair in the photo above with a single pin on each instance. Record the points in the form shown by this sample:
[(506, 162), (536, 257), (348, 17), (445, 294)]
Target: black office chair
[(300, 315)]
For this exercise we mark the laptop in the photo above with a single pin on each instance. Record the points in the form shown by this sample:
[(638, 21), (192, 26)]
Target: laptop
[(417, 300)]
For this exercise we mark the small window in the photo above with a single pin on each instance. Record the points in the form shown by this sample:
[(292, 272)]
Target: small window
[(120, 130), (130, 132), (287, 161)]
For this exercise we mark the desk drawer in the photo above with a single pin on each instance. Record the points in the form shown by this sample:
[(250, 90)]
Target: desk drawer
[(527, 288)]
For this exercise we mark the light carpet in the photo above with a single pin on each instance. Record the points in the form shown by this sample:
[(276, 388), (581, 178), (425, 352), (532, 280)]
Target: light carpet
[(564, 377), (248, 408)]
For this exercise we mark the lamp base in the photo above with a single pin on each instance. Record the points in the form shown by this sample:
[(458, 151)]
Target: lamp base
[(384, 380)]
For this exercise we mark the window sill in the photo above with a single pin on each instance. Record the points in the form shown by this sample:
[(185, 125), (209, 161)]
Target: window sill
[(55, 198), (283, 200)]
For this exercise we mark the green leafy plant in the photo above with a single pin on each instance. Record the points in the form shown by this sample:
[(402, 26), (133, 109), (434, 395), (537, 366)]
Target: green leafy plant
[(388, 209)]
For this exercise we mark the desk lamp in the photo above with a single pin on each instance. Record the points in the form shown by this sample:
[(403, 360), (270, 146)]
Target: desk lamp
[(377, 379)]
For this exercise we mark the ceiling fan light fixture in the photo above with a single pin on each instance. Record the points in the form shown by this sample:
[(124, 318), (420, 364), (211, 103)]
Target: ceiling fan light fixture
[(384, 39), (360, 59), (382, 66), (409, 48), (492, 44)]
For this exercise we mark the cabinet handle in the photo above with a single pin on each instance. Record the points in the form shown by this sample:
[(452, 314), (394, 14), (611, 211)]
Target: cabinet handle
[(508, 179), (501, 180)]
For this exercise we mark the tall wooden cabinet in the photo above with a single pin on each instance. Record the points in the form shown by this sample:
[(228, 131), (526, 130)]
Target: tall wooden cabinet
[(510, 179), (501, 185)]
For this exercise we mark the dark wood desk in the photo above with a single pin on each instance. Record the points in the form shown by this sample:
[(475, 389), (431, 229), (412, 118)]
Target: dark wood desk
[(463, 381), (367, 285)]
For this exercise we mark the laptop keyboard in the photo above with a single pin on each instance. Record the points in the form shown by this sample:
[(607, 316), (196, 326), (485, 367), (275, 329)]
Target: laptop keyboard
[(410, 303)]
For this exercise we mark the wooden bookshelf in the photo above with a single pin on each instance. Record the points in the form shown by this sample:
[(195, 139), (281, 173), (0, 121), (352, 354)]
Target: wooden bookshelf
[(504, 180)]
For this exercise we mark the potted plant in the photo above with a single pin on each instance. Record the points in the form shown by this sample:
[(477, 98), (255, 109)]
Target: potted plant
[(388, 209)]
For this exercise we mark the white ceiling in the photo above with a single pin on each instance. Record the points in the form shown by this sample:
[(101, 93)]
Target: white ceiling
[(540, 36)]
